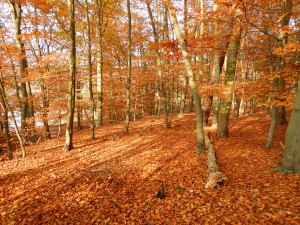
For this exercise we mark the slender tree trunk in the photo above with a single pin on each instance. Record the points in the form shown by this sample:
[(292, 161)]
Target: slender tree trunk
[(128, 81), (16, 12), (99, 105), (184, 78), (91, 94), (286, 8), (5, 124), (79, 107), (219, 58), (166, 86), (72, 81), (192, 83), (230, 74), (43, 86), (7, 106), (159, 71)]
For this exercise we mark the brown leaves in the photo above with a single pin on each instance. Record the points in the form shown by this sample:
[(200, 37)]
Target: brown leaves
[(115, 181)]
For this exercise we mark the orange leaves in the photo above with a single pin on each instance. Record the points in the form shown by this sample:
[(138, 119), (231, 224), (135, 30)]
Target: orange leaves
[(114, 181)]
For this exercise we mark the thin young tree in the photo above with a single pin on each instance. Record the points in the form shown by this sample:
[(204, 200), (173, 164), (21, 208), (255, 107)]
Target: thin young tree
[(89, 55), (72, 80), (9, 108), (128, 80), (99, 56), (192, 83), (159, 68), (27, 110)]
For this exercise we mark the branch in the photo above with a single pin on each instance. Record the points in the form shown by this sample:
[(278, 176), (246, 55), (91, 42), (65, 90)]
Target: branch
[(255, 26)]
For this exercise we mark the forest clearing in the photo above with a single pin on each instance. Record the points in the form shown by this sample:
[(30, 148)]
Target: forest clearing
[(114, 179)]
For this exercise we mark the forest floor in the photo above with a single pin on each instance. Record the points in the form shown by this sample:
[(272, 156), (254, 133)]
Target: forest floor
[(114, 179)]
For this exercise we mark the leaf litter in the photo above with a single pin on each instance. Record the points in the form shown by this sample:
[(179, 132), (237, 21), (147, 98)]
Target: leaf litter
[(114, 179)]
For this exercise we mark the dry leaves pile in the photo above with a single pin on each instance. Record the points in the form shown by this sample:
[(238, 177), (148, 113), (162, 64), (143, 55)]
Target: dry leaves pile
[(114, 179)]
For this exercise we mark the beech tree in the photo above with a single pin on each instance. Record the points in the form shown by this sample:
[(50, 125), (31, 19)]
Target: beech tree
[(279, 117), (128, 80), (291, 157), (192, 83), (232, 54), (27, 110), (72, 80)]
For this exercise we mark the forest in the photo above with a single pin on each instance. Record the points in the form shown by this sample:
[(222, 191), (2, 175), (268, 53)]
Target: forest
[(150, 112)]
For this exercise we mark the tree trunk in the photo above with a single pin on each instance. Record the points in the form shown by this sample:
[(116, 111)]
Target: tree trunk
[(291, 157), (99, 33), (184, 78), (7, 106), (79, 108), (159, 72), (207, 103), (5, 124), (192, 83), (16, 12), (286, 8), (230, 74), (219, 58), (72, 81), (43, 86), (128, 81), (215, 177), (91, 94)]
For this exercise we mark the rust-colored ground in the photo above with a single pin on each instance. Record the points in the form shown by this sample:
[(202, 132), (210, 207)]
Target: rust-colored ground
[(114, 179)]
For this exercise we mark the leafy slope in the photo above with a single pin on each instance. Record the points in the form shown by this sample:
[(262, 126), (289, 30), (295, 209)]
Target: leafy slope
[(114, 179)]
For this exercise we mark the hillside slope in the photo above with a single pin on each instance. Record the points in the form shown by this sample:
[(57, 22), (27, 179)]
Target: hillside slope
[(114, 179)]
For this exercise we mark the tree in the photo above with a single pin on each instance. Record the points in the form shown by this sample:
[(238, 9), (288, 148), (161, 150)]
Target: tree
[(279, 116), (9, 108), (27, 105), (128, 80), (159, 68), (291, 157), (192, 83), (72, 80), (232, 54), (90, 72)]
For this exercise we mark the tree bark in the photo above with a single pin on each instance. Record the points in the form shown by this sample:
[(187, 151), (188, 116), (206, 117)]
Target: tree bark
[(219, 57), (99, 56), (184, 78), (72, 80), (232, 54), (5, 124), (128, 81), (91, 94), (159, 72), (291, 156), (26, 105), (5, 101), (192, 83), (215, 176), (286, 8)]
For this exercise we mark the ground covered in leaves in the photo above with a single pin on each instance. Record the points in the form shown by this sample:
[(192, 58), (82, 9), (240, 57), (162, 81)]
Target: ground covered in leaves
[(114, 179)]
